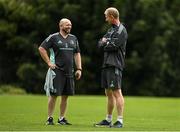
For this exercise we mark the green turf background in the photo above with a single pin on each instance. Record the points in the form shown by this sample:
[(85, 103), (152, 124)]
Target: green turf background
[(29, 113)]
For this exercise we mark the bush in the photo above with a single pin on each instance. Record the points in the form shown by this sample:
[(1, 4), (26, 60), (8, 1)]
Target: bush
[(30, 78), (10, 89)]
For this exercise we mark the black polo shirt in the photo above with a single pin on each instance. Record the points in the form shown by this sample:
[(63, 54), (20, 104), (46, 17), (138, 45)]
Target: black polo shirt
[(62, 51)]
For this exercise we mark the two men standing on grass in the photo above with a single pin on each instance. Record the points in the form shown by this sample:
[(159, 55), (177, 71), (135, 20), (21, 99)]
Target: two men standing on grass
[(64, 49)]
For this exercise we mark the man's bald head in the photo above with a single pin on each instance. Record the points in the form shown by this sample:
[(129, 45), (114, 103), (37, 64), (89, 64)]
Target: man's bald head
[(64, 20)]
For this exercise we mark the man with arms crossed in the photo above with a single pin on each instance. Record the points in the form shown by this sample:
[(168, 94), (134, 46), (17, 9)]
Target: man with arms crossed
[(64, 50), (113, 44)]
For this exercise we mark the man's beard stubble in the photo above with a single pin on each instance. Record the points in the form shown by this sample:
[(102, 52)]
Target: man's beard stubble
[(66, 31)]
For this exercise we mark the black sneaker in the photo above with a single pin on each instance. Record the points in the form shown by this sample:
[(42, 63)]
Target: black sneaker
[(63, 122), (49, 121), (103, 123), (117, 124)]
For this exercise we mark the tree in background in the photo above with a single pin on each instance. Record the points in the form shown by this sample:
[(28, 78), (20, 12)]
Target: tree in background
[(152, 50)]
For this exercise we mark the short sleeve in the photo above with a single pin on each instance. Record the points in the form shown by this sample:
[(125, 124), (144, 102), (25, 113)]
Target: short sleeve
[(47, 43), (77, 50)]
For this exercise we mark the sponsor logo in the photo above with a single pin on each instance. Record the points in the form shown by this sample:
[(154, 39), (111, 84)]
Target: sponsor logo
[(59, 42), (112, 84)]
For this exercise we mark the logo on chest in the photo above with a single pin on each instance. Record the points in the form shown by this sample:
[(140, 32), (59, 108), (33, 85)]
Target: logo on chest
[(59, 42), (68, 44)]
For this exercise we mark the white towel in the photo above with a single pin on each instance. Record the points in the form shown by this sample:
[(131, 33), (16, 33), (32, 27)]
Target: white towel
[(48, 86)]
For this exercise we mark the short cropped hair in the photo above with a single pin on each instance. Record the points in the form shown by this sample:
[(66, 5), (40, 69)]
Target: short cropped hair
[(112, 11)]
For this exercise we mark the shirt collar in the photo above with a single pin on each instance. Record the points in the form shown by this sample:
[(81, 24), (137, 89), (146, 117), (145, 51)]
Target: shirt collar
[(115, 26)]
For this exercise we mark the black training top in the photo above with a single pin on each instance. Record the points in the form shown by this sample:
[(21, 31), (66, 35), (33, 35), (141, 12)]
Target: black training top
[(62, 51), (115, 47)]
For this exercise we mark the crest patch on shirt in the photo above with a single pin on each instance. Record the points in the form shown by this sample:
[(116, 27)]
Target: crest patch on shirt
[(71, 42), (66, 45)]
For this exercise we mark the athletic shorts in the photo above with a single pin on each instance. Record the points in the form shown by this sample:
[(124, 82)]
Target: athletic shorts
[(111, 78), (63, 84)]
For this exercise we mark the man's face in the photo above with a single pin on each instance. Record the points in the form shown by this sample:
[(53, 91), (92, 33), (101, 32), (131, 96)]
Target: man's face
[(66, 27), (108, 18)]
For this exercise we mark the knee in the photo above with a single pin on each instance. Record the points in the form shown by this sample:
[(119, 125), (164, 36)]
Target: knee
[(64, 98)]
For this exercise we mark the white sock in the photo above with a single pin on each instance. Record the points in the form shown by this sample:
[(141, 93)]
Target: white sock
[(109, 118), (120, 119), (60, 118)]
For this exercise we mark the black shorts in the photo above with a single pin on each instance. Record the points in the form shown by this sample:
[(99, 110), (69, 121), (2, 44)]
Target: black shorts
[(111, 78), (63, 84)]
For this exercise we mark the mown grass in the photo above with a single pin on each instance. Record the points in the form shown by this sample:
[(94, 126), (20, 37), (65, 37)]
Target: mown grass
[(29, 113)]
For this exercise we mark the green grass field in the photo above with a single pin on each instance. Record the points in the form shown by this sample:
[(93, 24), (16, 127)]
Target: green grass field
[(29, 113)]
